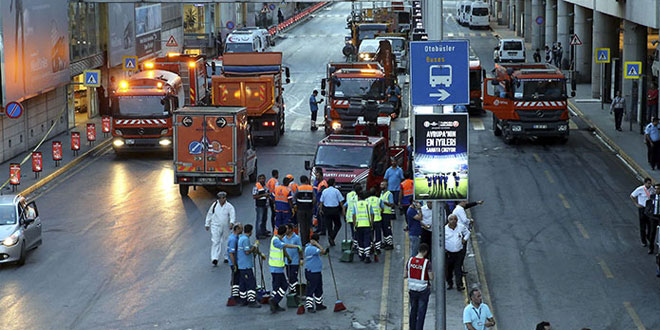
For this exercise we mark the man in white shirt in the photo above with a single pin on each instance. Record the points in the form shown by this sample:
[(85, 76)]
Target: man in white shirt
[(477, 315), (456, 236), (220, 219), (639, 196), (427, 215), (459, 211)]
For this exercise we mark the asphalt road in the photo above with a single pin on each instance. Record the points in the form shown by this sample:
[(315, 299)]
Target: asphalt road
[(558, 233), (122, 249)]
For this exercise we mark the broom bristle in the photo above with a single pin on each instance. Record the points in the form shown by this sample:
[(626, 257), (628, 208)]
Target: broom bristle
[(375, 258), (231, 301), (339, 306), (301, 310), (264, 300)]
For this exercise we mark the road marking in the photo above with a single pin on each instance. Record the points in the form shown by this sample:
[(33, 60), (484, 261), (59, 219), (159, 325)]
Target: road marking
[(484, 34), (581, 228), (482, 272), (450, 34), (633, 315), (606, 269), (461, 34), (384, 292), (547, 175), (472, 34), (478, 124), (538, 159), (564, 200), (299, 124), (572, 125), (404, 316)]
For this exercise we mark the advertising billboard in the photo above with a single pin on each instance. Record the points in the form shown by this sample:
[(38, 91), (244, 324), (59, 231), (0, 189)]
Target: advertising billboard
[(440, 158), (35, 46), (147, 30), (121, 26)]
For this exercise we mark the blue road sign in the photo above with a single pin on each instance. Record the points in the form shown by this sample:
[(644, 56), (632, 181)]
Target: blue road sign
[(130, 63), (14, 110), (92, 78), (602, 55), (439, 72), (539, 20), (271, 6), (632, 70), (230, 25)]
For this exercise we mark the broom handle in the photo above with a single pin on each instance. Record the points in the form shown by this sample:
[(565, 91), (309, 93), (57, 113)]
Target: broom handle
[(333, 275)]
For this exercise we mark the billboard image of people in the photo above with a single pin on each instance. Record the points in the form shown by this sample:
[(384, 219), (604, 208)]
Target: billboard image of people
[(440, 159)]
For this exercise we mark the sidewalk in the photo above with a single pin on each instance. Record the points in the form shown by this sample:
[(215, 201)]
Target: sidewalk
[(455, 301), (28, 182)]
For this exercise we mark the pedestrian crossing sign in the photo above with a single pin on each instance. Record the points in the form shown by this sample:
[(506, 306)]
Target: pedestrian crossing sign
[(632, 70), (130, 63), (602, 55), (92, 78)]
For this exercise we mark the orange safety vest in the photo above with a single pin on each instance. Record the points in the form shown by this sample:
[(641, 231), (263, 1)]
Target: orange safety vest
[(407, 187), (321, 184), (271, 184), (305, 194), (282, 194), (293, 186)]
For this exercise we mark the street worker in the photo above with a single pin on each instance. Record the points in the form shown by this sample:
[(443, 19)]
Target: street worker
[(293, 187), (314, 108), (283, 203), (388, 215), (363, 216), (247, 282), (406, 193), (304, 201), (351, 200), (419, 274), (377, 207), (220, 218), (232, 249), (319, 185), (260, 195), (276, 257), (293, 264), (313, 268), (270, 185)]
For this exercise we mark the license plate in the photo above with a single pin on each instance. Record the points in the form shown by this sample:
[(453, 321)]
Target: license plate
[(130, 141), (513, 53), (206, 180), (540, 126)]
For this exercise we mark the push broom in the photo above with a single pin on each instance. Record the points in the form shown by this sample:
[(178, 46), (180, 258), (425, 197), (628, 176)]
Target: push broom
[(301, 295), (339, 305)]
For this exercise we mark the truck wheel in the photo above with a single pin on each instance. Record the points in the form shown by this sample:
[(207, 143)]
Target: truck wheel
[(276, 139), (183, 189), (496, 130), (253, 176), (508, 138)]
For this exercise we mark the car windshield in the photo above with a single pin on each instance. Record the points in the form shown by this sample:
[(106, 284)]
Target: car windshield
[(512, 45), (7, 215), (480, 11), (547, 89), (360, 87), (141, 106), (344, 156), (239, 47), (369, 32), (397, 44)]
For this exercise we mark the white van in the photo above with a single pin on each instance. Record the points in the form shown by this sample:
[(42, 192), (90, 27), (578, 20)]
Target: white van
[(464, 12), (246, 41), (509, 50), (478, 16)]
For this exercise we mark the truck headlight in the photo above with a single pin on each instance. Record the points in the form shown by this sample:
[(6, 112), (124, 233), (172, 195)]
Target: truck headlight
[(165, 142), (118, 132), (118, 142), (336, 125), (562, 128), (11, 240), (516, 128)]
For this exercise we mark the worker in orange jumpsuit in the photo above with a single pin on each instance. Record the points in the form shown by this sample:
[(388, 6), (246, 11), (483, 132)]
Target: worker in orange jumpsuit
[(270, 185), (283, 204), (406, 193)]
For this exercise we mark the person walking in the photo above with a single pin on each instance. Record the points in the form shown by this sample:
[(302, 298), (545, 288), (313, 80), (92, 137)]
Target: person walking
[(377, 207), (271, 184), (406, 192), (652, 140), (276, 257), (640, 196), (293, 264), (331, 199), (414, 216), (652, 211), (280, 16), (349, 205), (232, 248), (304, 201), (477, 315), (245, 260), (394, 176), (260, 195), (617, 106), (427, 220), (388, 214), (548, 55), (559, 56), (283, 203), (537, 55), (419, 274), (220, 219), (314, 108), (652, 100), (313, 270), (363, 216), (456, 236)]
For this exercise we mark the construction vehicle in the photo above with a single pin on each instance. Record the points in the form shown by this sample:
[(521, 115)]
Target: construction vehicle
[(142, 111), (213, 147), (191, 69), (254, 81), (527, 100)]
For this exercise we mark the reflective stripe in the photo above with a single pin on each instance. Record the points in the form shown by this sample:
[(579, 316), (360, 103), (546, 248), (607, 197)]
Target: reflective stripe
[(305, 194), (271, 184), (282, 194), (351, 200), (385, 197), (407, 187), (375, 207), (275, 256), (362, 215)]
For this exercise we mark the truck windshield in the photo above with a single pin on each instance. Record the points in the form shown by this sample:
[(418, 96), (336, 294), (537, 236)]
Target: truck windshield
[(239, 47), (553, 89), (480, 11), (7, 214), (475, 80), (344, 156), (370, 31), (360, 87), (512, 45), (141, 106), (397, 44)]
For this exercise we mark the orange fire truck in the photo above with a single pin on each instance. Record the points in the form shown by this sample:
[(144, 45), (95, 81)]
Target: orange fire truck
[(527, 100), (142, 111), (191, 69), (213, 147), (476, 74), (254, 81)]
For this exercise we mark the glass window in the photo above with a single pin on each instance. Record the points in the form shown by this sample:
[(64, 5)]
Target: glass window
[(84, 28), (539, 89), (344, 156), (358, 87), (513, 45), (143, 105), (7, 215), (480, 11), (193, 18)]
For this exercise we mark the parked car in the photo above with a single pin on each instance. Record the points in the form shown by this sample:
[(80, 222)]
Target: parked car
[(20, 228)]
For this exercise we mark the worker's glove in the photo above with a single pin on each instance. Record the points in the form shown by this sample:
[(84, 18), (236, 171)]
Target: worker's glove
[(234, 268), (299, 248)]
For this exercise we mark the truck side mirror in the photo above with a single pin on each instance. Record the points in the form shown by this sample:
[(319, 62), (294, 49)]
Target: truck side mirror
[(287, 72), (573, 93), (483, 73), (308, 165), (323, 83)]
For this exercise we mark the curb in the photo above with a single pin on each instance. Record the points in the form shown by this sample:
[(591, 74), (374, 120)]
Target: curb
[(639, 172), (29, 190)]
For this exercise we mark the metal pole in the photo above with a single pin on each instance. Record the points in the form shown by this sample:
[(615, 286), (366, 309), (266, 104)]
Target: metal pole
[(602, 85), (438, 262)]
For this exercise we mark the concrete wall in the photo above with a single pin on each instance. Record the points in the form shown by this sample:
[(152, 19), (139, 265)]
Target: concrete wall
[(643, 12)]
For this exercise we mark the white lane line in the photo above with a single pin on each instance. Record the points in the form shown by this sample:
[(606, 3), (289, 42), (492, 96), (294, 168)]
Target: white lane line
[(299, 124), (450, 34), (484, 34), (472, 34), (461, 34), (572, 125), (478, 124)]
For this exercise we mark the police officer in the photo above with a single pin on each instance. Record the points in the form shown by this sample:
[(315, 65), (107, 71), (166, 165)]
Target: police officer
[(313, 268), (377, 207), (276, 257), (260, 195), (293, 264), (247, 282), (352, 199), (232, 248), (388, 214), (304, 201), (363, 221)]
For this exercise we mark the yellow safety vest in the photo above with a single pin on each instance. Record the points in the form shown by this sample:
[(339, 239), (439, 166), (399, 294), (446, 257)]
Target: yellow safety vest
[(276, 256), (385, 197), (375, 207), (362, 215), (351, 200)]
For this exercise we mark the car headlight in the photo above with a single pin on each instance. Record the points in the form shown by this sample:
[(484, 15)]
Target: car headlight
[(336, 125), (164, 131), (118, 143), (516, 128), (118, 132), (165, 142), (11, 240)]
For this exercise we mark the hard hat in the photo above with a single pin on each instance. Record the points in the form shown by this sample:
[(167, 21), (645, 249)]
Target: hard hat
[(290, 176)]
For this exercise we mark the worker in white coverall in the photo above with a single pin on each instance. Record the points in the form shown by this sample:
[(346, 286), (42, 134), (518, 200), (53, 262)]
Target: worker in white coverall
[(220, 219)]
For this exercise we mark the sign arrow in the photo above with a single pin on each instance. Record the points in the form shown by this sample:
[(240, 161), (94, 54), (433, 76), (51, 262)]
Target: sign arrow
[(443, 95)]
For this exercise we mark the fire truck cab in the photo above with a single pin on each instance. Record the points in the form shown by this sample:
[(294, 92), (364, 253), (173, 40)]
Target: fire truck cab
[(191, 69), (142, 109)]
